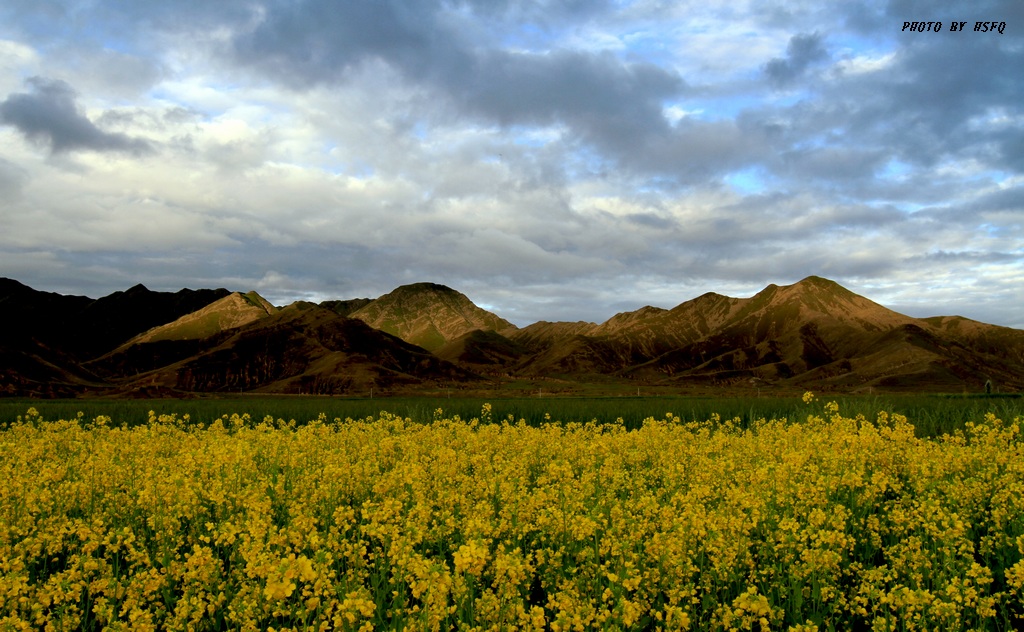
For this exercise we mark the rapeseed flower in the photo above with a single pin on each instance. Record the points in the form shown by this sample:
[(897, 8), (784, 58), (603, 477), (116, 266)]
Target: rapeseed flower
[(387, 523)]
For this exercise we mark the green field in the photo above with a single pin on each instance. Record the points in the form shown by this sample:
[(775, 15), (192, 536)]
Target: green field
[(932, 415)]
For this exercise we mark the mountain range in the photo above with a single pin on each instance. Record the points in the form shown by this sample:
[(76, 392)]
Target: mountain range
[(813, 334)]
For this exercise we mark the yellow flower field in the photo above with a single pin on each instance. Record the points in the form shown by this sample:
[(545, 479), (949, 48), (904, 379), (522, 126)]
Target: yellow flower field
[(382, 523)]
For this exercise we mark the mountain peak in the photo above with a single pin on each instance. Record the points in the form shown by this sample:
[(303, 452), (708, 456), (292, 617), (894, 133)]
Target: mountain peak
[(822, 293), (812, 289), (819, 283), (819, 300), (424, 286), (816, 280), (234, 310), (253, 298), (429, 315)]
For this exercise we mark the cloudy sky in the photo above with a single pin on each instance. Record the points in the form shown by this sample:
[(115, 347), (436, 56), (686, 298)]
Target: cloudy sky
[(556, 160)]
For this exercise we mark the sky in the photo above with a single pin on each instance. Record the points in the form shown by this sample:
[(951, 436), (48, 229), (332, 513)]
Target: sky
[(552, 160)]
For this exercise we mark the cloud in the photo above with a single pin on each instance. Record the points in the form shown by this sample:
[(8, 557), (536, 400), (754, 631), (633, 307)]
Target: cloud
[(802, 51), (555, 159), (313, 41), (12, 180), (48, 114), (601, 99)]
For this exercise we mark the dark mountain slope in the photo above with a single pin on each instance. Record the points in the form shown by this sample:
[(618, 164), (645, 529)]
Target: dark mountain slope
[(346, 307), (543, 334), (484, 351), (85, 327), (113, 319), (46, 337)]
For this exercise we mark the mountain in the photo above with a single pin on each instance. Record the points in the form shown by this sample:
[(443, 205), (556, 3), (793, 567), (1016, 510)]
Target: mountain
[(989, 339), (117, 317), (429, 315), (27, 314), (46, 337), (86, 327), (234, 310), (346, 307), (543, 334), (42, 372), (578, 355), (813, 334), (302, 348), (34, 359), (779, 333), (483, 351)]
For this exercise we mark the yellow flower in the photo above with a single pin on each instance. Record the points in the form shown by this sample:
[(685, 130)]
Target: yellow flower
[(279, 588), (471, 558)]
